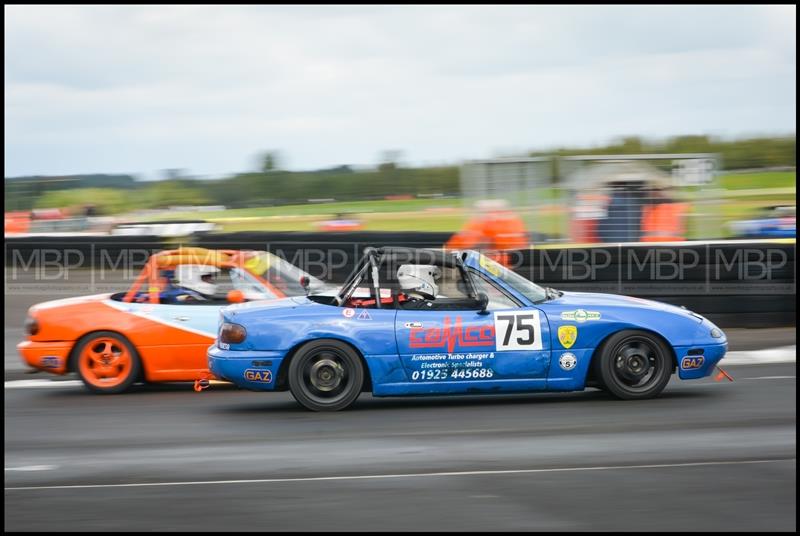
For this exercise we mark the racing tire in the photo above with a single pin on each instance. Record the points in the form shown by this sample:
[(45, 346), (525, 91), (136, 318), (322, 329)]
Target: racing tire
[(106, 362), (633, 365), (326, 375)]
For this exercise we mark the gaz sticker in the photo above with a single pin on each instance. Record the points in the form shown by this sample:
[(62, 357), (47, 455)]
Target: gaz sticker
[(263, 376), (517, 330), (692, 362)]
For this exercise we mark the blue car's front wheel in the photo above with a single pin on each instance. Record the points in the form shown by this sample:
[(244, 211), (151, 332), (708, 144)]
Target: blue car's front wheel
[(326, 375), (634, 364)]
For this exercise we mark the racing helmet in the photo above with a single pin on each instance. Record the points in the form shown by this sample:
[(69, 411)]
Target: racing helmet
[(419, 279), (197, 277)]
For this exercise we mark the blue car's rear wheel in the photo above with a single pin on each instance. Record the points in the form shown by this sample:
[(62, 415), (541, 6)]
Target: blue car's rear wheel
[(326, 375), (634, 364)]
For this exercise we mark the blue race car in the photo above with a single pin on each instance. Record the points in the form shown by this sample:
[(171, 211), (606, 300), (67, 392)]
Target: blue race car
[(776, 222), (429, 322)]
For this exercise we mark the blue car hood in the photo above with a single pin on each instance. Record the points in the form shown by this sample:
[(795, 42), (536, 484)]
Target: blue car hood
[(591, 299)]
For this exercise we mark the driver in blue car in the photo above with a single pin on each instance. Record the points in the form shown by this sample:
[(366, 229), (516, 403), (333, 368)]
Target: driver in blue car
[(418, 283)]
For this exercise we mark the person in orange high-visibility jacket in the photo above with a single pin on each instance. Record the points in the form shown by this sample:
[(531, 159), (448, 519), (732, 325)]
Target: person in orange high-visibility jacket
[(663, 219), (495, 227), (587, 210)]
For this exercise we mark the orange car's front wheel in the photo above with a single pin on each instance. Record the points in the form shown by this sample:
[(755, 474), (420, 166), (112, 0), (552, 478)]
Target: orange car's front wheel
[(107, 362)]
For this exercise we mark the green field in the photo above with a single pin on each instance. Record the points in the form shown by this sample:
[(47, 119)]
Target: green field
[(751, 181), (731, 197)]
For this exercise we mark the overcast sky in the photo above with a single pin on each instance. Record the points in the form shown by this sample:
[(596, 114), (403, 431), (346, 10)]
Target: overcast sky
[(91, 89)]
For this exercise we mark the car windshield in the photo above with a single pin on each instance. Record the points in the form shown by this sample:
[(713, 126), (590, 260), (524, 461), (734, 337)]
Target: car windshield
[(529, 289), (283, 275)]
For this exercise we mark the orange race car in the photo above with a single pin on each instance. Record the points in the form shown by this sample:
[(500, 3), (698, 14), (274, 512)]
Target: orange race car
[(160, 328)]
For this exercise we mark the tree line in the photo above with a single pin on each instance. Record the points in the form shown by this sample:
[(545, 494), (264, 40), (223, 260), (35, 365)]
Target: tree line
[(271, 185)]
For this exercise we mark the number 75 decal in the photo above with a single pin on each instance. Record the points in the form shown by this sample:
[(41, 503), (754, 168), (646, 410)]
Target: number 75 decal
[(518, 330)]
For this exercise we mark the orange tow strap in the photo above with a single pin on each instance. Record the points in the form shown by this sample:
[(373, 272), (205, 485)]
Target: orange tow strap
[(722, 374), (201, 384)]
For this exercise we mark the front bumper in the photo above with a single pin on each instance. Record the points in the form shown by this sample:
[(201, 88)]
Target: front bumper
[(699, 361), (256, 371), (46, 356)]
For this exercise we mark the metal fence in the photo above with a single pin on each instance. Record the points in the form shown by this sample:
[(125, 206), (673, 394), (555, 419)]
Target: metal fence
[(620, 198)]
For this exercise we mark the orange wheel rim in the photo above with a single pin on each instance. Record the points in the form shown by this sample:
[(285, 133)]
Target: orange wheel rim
[(105, 362)]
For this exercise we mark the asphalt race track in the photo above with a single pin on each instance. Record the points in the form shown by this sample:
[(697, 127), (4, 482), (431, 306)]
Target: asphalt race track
[(706, 455)]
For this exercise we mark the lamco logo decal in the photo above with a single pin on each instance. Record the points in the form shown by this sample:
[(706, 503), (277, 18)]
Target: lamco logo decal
[(449, 336)]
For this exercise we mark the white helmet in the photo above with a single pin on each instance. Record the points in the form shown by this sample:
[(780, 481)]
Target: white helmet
[(419, 278), (197, 277)]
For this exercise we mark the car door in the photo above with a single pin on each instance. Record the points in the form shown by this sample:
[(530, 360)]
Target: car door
[(505, 343), (172, 337)]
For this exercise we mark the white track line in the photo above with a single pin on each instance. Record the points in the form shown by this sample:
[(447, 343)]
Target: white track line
[(407, 475), (784, 354), (34, 384), (32, 468), (771, 378)]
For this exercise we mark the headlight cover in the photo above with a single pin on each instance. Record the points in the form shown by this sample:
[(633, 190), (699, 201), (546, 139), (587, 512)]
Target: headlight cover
[(232, 333)]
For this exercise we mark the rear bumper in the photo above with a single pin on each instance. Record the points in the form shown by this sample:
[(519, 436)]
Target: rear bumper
[(46, 356), (257, 371)]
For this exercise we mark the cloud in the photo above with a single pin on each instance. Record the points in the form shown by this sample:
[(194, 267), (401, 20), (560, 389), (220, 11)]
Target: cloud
[(141, 88)]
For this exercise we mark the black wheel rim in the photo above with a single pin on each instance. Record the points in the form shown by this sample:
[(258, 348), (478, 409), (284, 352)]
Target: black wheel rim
[(326, 376), (637, 363)]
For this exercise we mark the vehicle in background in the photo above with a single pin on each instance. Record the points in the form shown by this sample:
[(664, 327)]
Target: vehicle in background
[(116, 339), (775, 222), (342, 222), (164, 228)]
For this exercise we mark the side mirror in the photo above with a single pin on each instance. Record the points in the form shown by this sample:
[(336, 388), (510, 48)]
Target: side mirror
[(305, 281), (483, 303), (235, 296)]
